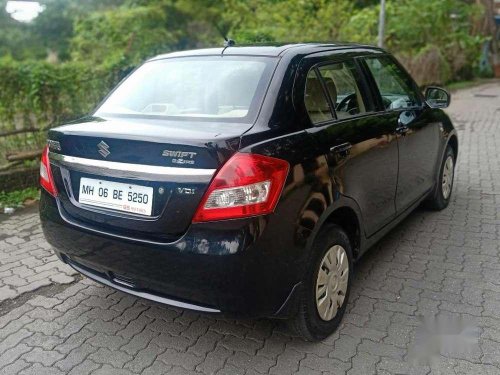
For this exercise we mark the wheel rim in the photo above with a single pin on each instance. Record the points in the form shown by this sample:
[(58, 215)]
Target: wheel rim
[(447, 177), (331, 284)]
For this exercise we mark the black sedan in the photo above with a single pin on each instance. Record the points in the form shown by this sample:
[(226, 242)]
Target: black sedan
[(247, 180)]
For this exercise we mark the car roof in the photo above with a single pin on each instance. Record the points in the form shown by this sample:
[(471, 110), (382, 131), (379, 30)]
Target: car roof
[(271, 50)]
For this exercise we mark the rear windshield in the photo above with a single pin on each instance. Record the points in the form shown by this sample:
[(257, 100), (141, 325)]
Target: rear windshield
[(227, 88)]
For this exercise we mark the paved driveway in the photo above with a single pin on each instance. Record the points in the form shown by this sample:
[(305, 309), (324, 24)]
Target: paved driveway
[(435, 264)]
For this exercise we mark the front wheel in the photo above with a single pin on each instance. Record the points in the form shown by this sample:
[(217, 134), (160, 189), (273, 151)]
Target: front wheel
[(325, 291), (440, 197)]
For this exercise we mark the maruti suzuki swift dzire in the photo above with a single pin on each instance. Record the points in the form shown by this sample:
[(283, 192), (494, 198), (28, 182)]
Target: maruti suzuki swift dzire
[(246, 181)]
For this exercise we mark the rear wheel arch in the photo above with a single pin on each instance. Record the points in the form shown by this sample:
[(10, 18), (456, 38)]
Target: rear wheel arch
[(453, 142), (348, 219)]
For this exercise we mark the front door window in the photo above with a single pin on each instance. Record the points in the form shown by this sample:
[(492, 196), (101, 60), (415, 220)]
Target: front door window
[(395, 86)]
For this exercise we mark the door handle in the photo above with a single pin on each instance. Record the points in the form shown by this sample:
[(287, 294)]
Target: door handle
[(343, 149), (404, 119), (402, 129)]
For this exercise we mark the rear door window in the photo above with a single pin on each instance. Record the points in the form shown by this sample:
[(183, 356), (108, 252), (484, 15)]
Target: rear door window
[(342, 83), (315, 99)]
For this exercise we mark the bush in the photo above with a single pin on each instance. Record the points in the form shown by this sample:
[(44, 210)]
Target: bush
[(126, 35), (428, 66), (435, 39), (36, 94)]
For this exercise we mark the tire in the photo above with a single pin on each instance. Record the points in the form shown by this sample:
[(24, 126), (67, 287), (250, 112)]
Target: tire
[(306, 320), (440, 197)]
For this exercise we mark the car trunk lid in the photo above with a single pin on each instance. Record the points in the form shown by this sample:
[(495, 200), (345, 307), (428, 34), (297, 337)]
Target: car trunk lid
[(170, 162)]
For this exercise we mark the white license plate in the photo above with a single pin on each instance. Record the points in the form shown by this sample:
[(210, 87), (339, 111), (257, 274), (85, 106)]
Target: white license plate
[(117, 196)]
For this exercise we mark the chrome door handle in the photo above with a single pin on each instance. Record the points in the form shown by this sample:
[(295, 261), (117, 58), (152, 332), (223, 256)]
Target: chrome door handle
[(402, 129), (342, 149)]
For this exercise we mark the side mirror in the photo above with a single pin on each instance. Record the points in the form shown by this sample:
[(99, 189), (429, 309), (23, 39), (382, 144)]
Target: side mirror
[(437, 97)]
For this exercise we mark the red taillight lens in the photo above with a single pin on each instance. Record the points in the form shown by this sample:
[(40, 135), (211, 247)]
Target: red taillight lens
[(247, 185), (46, 179)]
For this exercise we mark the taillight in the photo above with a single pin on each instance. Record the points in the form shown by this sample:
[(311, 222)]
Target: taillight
[(247, 185), (46, 179)]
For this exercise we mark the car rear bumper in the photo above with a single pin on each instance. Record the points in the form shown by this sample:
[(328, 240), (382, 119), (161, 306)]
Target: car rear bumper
[(234, 267)]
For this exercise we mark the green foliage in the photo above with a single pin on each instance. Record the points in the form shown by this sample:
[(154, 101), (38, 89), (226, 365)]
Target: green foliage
[(127, 35), (17, 198), (50, 32), (15, 41), (429, 66), (92, 44), (36, 93), (414, 27), (53, 28), (294, 20), (362, 26), (122, 33), (104, 39), (209, 21)]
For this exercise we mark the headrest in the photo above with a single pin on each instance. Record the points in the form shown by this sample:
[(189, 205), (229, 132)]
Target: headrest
[(332, 89), (315, 98)]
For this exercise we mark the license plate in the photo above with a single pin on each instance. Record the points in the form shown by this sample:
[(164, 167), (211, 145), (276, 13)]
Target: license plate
[(117, 196)]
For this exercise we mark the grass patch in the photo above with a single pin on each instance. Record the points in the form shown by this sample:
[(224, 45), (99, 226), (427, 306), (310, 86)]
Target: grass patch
[(18, 197)]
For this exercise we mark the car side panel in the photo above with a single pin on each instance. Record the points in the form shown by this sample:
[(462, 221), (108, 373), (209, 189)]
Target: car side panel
[(307, 194), (367, 173), (317, 183), (418, 143), (446, 132), (418, 153)]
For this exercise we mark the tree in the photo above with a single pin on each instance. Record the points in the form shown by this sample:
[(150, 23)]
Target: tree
[(123, 36), (16, 41), (297, 20), (50, 32), (446, 40), (125, 32), (490, 28)]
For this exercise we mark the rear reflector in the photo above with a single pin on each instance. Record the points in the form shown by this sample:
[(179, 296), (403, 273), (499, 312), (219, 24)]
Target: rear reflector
[(247, 185), (46, 179)]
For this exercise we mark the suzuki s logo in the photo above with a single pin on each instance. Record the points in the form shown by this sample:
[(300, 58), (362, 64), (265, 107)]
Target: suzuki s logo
[(103, 149)]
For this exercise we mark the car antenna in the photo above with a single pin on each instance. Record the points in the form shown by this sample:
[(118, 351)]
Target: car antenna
[(228, 43)]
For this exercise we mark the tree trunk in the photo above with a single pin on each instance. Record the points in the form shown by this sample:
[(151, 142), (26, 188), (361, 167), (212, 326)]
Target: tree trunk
[(491, 28), (19, 131), (6, 167), (24, 155)]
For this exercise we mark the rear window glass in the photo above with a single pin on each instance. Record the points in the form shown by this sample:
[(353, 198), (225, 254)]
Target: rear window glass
[(316, 102), (227, 88)]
